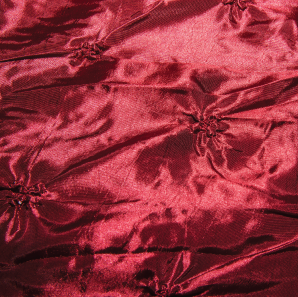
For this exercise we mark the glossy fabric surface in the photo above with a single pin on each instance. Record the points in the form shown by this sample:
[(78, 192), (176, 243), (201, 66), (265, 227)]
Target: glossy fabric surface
[(148, 148)]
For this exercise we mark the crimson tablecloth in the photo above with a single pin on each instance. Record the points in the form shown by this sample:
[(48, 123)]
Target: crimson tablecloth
[(148, 148)]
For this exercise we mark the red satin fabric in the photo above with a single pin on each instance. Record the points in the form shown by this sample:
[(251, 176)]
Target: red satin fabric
[(148, 148)]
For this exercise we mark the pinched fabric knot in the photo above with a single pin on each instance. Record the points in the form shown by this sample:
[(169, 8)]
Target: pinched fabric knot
[(163, 291), (241, 4), (206, 129), (21, 195), (89, 51), (207, 125)]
